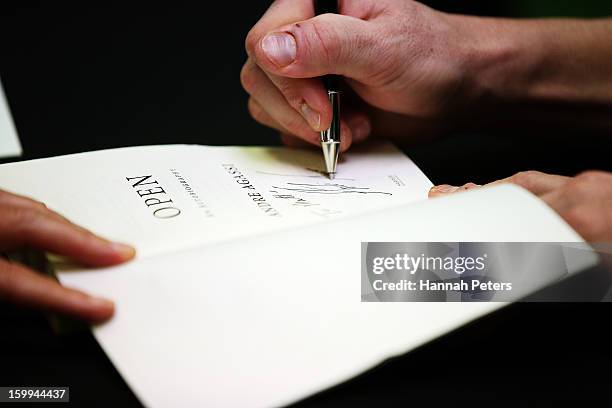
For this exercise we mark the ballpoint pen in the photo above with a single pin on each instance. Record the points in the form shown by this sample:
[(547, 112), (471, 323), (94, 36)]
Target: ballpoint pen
[(330, 138)]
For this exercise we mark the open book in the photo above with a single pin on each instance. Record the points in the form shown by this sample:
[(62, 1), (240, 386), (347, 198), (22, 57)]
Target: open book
[(246, 287)]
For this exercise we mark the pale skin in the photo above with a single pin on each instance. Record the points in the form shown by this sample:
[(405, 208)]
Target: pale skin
[(412, 71)]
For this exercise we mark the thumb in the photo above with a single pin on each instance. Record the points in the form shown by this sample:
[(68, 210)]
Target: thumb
[(326, 44)]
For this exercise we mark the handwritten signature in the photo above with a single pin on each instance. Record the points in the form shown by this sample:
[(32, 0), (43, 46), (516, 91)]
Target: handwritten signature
[(328, 188)]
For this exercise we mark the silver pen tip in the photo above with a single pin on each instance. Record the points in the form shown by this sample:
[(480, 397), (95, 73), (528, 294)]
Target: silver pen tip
[(330, 155), (331, 175)]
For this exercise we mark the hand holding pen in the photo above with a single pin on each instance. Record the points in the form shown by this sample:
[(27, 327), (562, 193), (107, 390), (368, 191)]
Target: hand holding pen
[(392, 57), (409, 71)]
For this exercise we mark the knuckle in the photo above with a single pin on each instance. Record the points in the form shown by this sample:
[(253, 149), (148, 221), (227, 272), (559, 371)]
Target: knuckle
[(250, 42), (525, 178), (593, 176), (293, 123), (580, 187), (291, 94), (247, 77), (24, 219), (585, 221), (255, 110)]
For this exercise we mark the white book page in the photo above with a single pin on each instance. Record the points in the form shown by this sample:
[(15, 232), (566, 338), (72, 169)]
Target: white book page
[(164, 198), (274, 314), (269, 319), (9, 141)]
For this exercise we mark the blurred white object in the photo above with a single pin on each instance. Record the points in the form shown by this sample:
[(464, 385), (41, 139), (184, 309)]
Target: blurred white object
[(9, 140)]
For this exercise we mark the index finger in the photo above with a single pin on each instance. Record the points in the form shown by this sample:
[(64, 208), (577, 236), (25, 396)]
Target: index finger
[(47, 231)]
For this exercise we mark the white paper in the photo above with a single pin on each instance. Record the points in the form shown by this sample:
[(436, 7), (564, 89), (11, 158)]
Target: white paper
[(9, 141), (267, 320), (229, 192), (253, 311)]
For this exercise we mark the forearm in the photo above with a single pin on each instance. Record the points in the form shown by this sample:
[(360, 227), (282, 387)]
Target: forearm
[(562, 67)]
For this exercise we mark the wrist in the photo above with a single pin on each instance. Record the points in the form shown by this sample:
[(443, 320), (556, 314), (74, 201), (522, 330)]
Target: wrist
[(526, 73), (535, 62), (499, 61)]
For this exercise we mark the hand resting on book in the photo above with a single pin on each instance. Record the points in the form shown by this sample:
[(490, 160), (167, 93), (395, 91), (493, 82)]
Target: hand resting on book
[(28, 223), (584, 201)]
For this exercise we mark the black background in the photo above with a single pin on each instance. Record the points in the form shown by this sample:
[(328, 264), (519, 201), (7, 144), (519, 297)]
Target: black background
[(90, 76)]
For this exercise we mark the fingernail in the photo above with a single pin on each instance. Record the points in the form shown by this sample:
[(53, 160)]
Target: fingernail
[(445, 188), (100, 302), (361, 130), (312, 117), (280, 48), (126, 251)]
